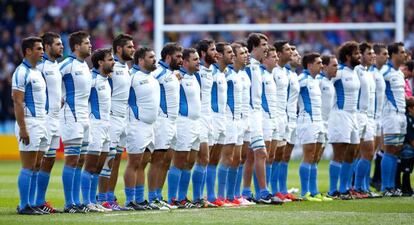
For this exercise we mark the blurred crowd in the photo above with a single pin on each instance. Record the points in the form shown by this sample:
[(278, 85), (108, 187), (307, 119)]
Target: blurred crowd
[(104, 19)]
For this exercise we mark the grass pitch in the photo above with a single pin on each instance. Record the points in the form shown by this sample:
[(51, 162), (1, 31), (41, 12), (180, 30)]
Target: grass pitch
[(369, 211)]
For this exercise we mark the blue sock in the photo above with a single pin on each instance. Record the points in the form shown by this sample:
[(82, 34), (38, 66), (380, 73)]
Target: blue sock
[(42, 183), (23, 182), (304, 174), (283, 172), (77, 186), (344, 177), (110, 196), (197, 178), (256, 185), (152, 195), (211, 182), (102, 197), (129, 194), (393, 171), (174, 175), (231, 182), (203, 184), (351, 173), (68, 174), (247, 192), (274, 178), (94, 187), (268, 173), (159, 194), (33, 185), (334, 171), (264, 192), (239, 179), (222, 180), (386, 168), (183, 184), (139, 194), (86, 186), (367, 178), (313, 179), (361, 171)]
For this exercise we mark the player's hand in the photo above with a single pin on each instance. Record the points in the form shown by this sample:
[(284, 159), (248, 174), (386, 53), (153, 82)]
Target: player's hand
[(24, 136)]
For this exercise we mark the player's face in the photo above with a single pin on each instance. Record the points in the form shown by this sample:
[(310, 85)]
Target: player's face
[(262, 48), (36, 53), (355, 58), (176, 60), (332, 68), (56, 49), (193, 62), (286, 54), (382, 57), (296, 58), (128, 50), (150, 61), (248, 55), (367, 57), (241, 56), (228, 55), (211, 56), (108, 64), (316, 66), (85, 48), (402, 55), (271, 60)]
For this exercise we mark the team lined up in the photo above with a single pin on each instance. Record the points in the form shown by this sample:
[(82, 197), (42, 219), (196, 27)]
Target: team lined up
[(231, 111)]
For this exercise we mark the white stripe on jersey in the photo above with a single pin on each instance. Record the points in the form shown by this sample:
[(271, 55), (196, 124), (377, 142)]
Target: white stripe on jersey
[(282, 83), (144, 96), (310, 101), (347, 86), (190, 102), (30, 81), (120, 82), (205, 80), (218, 91), (269, 101), (51, 73), (234, 93), (77, 80), (169, 90), (328, 92), (394, 88), (100, 97)]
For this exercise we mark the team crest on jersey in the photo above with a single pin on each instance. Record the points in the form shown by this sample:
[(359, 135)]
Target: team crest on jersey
[(100, 88), (142, 82), (48, 73), (118, 73), (78, 73)]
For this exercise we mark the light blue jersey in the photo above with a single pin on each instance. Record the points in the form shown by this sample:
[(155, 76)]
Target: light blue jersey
[(100, 97), (310, 100), (347, 86), (190, 102), (51, 73), (169, 90), (394, 88), (219, 91)]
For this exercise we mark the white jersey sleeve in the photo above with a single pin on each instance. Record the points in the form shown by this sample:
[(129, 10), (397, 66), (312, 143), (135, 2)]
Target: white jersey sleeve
[(30, 81), (347, 86), (205, 80), (120, 82), (292, 94), (255, 76), (379, 91), (51, 74), (394, 88), (310, 101), (100, 97), (363, 95), (282, 82)]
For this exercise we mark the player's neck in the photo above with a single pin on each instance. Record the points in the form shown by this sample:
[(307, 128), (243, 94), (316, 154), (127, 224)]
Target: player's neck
[(79, 56), (237, 66), (120, 59), (222, 65), (32, 62), (395, 64)]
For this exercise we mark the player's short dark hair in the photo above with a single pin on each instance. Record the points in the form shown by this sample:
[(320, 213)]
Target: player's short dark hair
[(309, 58), (393, 48), (326, 59), (242, 43), (235, 46), (28, 43), (279, 45), (377, 48), (140, 54), (364, 46), (120, 41), (346, 49), (271, 48), (253, 40), (187, 52), (76, 38), (99, 55), (203, 45), (170, 49), (410, 65), (49, 37), (220, 46)]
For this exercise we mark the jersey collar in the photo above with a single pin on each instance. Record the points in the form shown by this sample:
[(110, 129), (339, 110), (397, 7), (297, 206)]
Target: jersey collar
[(74, 57), (164, 64), (26, 63), (116, 59)]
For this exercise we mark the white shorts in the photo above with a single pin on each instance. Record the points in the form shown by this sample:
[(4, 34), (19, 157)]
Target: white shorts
[(188, 134), (369, 128), (245, 127), (343, 127), (309, 133), (75, 132), (38, 137), (234, 131), (53, 132), (99, 137), (117, 131), (323, 139), (290, 131), (378, 127), (281, 121), (269, 128), (219, 129), (206, 129), (140, 136), (393, 122), (165, 133), (256, 129)]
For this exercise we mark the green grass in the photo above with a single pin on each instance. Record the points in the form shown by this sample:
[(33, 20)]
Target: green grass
[(375, 211)]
